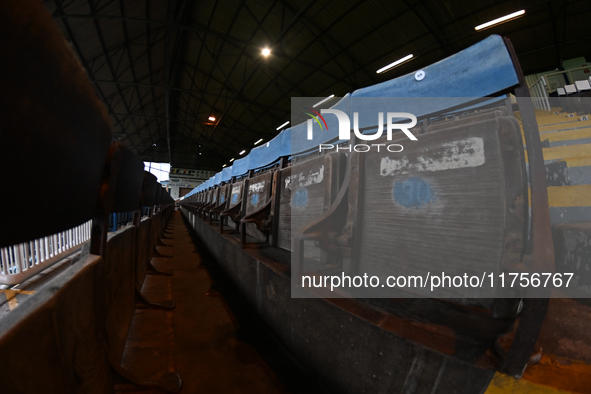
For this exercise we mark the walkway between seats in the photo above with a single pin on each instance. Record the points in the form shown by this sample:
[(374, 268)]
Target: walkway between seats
[(198, 339)]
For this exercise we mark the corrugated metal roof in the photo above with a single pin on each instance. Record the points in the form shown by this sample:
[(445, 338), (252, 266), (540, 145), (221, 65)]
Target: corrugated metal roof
[(319, 48)]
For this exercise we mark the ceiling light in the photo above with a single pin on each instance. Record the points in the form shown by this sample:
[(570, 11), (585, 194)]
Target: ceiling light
[(396, 63), (283, 125), (231, 160), (258, 141), (266, 52), (500, 20), (224, 165), (243, 152), (212, 118), (323, 101)]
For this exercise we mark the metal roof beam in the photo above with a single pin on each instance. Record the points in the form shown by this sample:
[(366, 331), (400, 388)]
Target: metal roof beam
[(81, 57)]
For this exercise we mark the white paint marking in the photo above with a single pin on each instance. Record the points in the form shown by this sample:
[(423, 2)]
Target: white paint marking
[(450, 156), (302, 180), (256, 187), (235, 190)]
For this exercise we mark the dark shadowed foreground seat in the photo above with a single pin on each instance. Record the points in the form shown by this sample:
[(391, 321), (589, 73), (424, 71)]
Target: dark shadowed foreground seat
[(69, 337), (57, 333), (39, 123)]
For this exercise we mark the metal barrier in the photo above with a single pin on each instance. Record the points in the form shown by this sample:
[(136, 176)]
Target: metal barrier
[(539, 94), (20, 262), (538, 88)]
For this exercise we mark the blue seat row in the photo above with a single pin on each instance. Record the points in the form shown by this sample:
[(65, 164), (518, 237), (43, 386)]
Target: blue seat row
[(481, 70)]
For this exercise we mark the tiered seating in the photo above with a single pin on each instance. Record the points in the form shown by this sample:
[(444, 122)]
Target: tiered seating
[(459, 196), (71, 333), (566, 136)]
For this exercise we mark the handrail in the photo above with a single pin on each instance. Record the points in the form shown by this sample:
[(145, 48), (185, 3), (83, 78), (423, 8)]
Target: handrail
[(559, 72)]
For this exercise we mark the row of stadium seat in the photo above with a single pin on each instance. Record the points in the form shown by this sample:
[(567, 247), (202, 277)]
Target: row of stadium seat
[(458, 196)]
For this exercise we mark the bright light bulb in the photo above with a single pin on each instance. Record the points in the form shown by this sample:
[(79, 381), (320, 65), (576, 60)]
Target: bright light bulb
[(266, 52)]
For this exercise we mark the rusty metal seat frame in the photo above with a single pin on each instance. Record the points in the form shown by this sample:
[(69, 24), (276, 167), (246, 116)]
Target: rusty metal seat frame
[(262, 217), (537, 251)]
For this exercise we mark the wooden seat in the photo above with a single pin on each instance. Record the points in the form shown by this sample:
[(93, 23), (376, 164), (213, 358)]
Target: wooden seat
[(205, 201), (212, 203), (458, 196), (256, 218), (455, 203), (221, 204), (306, 190), (234, 207)]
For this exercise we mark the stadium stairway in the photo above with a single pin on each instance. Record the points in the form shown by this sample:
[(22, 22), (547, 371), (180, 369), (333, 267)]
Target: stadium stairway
[(566, 138), (202, 339)]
